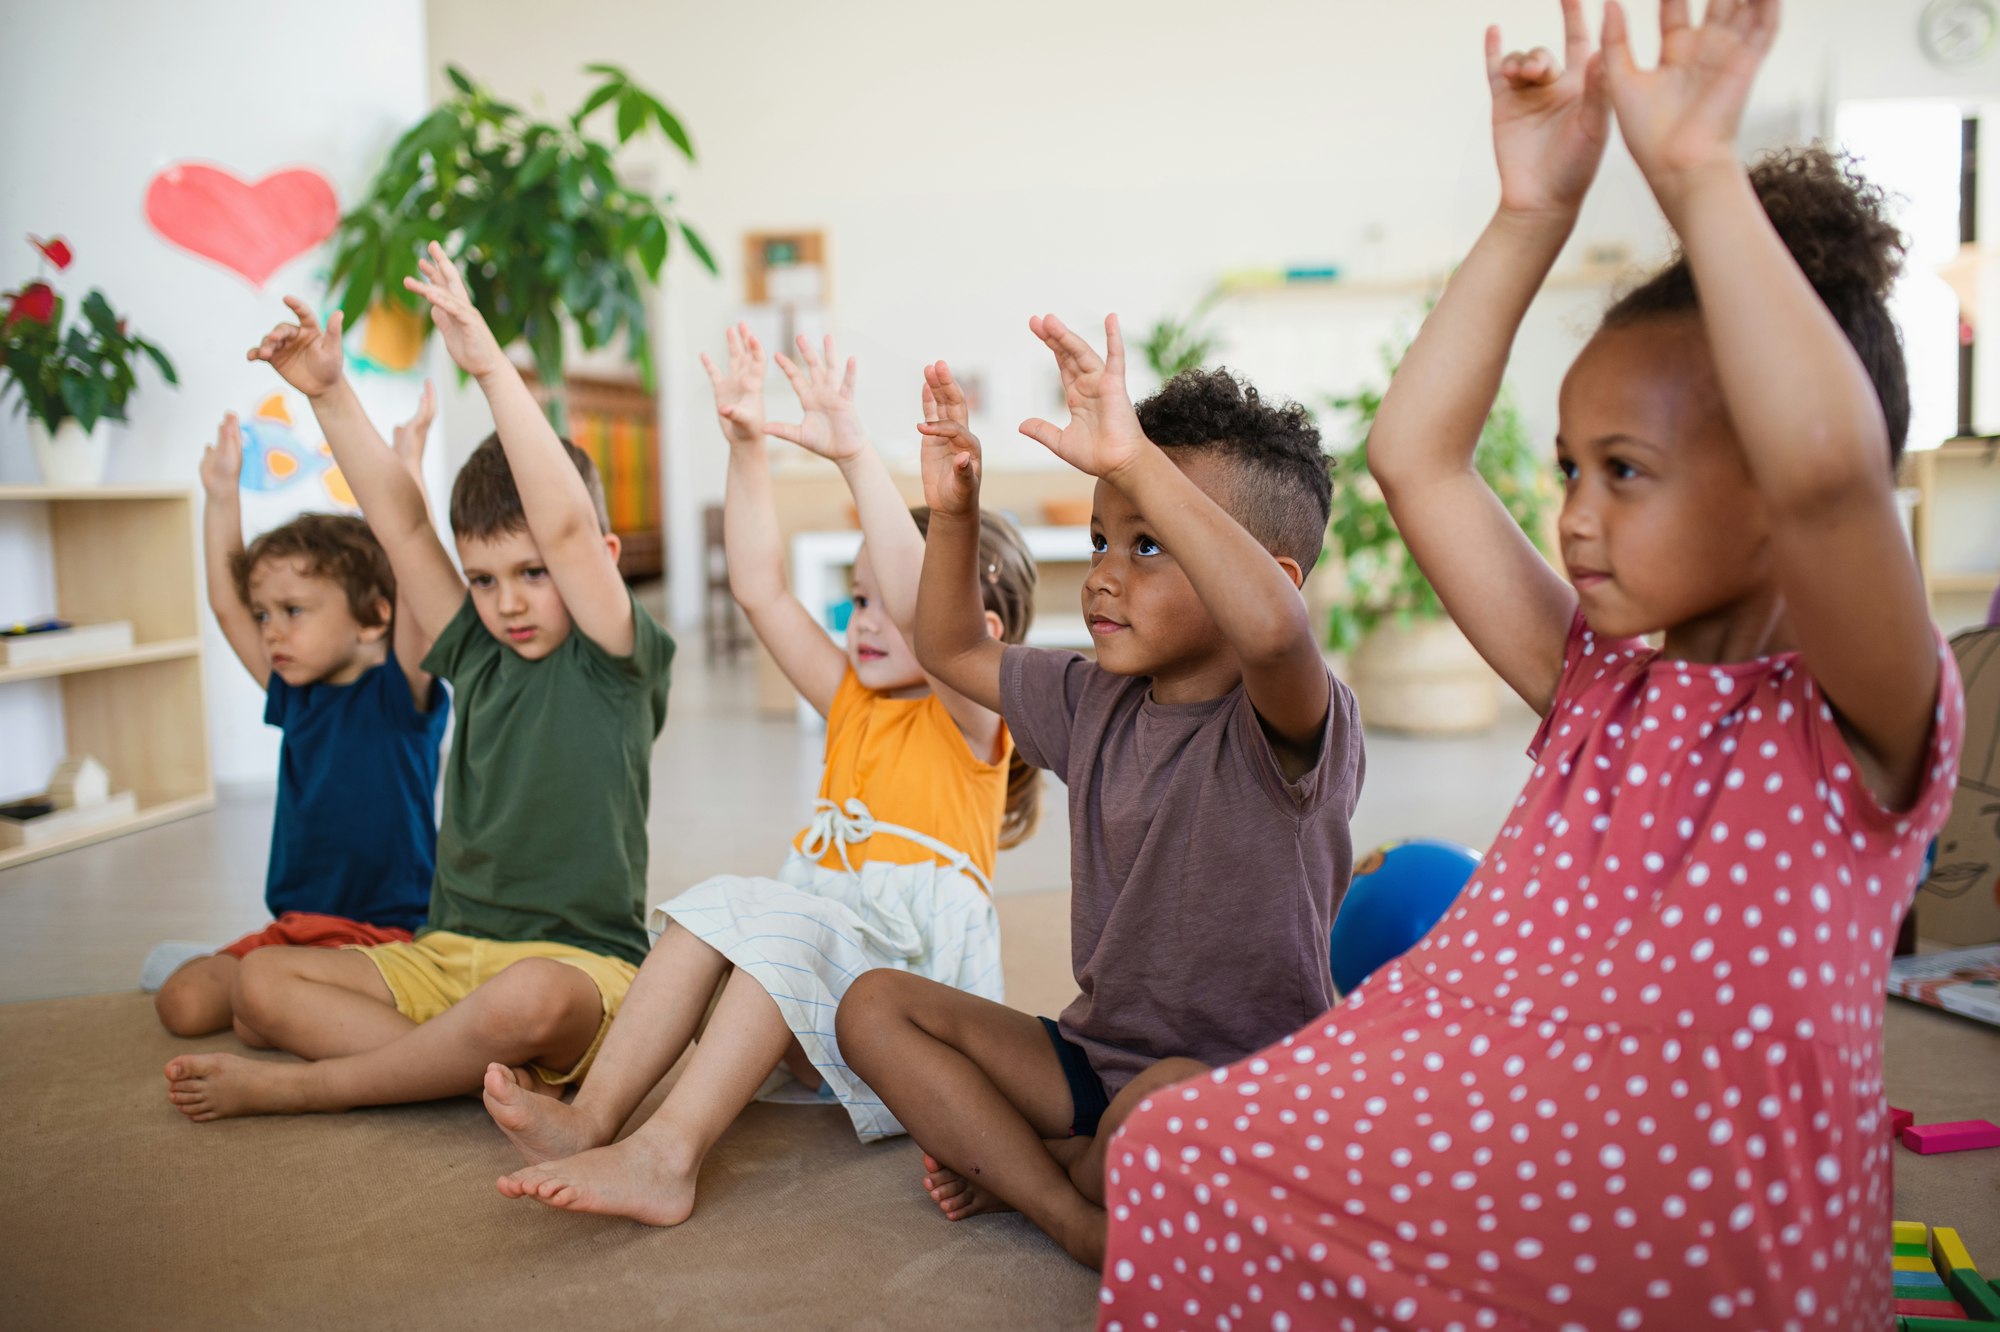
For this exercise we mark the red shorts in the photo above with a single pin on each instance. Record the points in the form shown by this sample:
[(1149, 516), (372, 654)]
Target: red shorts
[(303, 929)]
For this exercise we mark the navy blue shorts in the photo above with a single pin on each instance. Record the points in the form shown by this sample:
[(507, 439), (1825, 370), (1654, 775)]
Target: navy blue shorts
[(1086, 1090)]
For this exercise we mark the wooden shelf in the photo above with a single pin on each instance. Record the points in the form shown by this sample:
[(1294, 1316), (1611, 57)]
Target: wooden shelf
[(135, 655), (43, 494), (149, 815)]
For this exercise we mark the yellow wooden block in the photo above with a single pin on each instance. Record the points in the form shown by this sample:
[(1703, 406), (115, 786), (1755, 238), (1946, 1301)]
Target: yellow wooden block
[(1911, 1232), (1949, 1252), (1911, 1263)]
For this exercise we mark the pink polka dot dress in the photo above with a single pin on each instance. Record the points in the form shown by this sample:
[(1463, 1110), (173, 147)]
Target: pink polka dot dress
[(1633, 1079)]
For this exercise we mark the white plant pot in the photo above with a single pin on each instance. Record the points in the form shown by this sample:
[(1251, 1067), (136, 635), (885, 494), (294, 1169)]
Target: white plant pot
[(1424, 678), (69, 458)]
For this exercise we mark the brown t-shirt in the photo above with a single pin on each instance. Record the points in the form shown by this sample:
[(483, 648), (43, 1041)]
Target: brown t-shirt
[(1203, 884)]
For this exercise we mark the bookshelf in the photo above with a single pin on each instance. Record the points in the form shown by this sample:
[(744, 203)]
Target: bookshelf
[(1958, 492), (127, 553)]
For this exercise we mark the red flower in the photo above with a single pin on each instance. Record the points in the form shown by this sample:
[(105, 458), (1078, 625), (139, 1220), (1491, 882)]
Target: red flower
[(36, 301), (55, 251)]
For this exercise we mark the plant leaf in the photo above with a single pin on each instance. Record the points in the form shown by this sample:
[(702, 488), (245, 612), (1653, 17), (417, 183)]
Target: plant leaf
[(458, 79), (698, 247), (537, 166), (670, 125), (591, 103), (652, 245), (631, 114)]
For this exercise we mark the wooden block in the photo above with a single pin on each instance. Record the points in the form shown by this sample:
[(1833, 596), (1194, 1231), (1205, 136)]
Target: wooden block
[(1964, 1135), (1899, 1120), (1978, 1298), (1939, 1309), (1912, 1262), (1911, 1232), (1949, 1252), (1931, 1323)]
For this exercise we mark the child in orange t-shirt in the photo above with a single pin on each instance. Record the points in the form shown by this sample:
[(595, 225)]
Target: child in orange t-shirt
[(921, 789)]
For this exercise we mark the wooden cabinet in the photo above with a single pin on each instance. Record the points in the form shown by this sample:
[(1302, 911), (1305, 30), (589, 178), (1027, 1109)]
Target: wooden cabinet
[(127, 553)]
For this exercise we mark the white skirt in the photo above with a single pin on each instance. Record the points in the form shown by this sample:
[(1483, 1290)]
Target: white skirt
[(806, 934)]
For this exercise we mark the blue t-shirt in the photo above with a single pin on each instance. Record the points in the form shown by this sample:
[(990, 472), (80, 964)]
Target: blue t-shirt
[(356, 832)]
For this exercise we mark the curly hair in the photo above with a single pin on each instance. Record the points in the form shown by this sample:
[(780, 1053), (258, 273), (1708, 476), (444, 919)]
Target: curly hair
[(1837, 227), (333, 546), (485, 503), (1281, 482), (1007, 578)]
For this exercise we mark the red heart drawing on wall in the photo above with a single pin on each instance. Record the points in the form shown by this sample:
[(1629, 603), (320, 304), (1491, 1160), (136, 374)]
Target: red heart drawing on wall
[(249, 229)]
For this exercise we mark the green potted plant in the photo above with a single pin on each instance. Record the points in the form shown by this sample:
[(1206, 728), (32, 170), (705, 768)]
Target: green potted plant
[(537, 214), (1173, 345), (1410, 667), (69, 380)]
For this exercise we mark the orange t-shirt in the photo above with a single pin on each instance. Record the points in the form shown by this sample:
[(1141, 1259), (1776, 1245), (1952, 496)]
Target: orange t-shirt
[(906, 759)]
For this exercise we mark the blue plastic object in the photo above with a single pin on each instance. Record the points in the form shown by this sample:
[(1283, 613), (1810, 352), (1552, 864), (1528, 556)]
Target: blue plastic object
[(1398, 893)]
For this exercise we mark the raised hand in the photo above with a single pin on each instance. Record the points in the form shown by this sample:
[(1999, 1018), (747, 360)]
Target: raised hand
[(1680, 117), (830, 427), (222, 461), (409, 438), (305, 355), (1103, 433), (466, 336), (951, 459), (739, 390), (1549, 124)]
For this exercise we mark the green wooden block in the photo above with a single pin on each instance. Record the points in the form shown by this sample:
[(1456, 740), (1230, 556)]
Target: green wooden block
[(1918, 1323), (1974, 1296)]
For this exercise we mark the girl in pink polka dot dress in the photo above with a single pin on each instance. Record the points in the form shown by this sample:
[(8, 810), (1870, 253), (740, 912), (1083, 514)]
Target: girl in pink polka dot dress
[(1633, 1079)]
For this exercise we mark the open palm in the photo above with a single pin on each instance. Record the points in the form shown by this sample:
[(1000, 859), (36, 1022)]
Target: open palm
[(739, 389), (830, 426), (1683, 114), (951, 456), (1103, 433), (1549, 125)]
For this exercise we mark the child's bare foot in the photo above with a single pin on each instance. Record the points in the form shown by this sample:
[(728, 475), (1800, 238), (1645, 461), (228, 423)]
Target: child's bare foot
[(956, 1196), (533, 1116), (219, 1086), (648, 1177)]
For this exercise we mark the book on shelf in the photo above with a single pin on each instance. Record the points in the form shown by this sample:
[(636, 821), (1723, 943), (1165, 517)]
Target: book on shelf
[(52, 640), (37, 819), (1965, 981)]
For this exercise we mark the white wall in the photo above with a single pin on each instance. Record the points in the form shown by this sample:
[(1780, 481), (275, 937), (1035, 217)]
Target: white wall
[(976, 164), (100, 95)]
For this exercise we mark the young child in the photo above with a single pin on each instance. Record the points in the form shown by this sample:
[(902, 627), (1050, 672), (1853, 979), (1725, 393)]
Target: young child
[(1212, 762), (560, 685), (1633, 1079), (309, 609), (895, 871)]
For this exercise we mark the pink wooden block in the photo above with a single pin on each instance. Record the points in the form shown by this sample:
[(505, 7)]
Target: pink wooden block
[(1899, 1120), (1964, 1136)]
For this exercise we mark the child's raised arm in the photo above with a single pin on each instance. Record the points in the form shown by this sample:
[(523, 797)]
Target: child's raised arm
[(554, 499), (1810, 423), (222, 541), (407, 440), (831, 428), (951, 637), (1252, 594), (309, 359), (752, 544), (1549, 129)]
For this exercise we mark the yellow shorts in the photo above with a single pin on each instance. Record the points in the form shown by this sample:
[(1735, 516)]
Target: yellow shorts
[(438, 969)]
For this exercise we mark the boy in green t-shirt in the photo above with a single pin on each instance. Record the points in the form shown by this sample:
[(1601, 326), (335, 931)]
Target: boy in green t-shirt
[(559, 680)]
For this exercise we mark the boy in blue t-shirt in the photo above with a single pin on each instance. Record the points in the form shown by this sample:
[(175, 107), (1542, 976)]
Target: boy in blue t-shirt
[(309, 610)]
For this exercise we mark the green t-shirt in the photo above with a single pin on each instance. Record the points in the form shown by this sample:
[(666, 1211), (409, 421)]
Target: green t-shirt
[(546, 787)]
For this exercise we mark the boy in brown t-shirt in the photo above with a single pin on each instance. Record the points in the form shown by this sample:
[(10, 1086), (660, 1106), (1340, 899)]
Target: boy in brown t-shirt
[(1212, 762)]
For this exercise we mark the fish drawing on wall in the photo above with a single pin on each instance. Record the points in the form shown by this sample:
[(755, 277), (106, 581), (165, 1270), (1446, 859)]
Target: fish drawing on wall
[(274, 458)]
